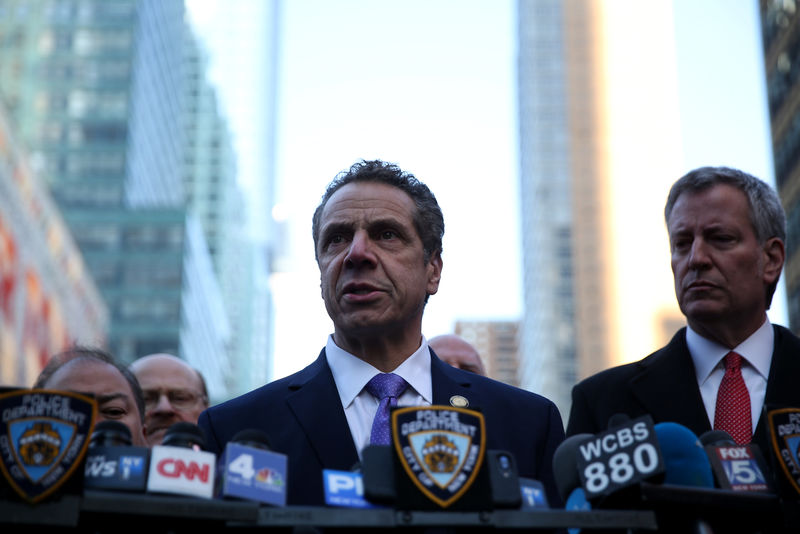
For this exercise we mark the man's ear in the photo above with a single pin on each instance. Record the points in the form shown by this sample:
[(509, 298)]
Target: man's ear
[(434, 272), (774, 256)]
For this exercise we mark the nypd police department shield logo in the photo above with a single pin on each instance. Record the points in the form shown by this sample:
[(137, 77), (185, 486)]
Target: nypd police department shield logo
[(43, 438), (441, 448), (784, 429)]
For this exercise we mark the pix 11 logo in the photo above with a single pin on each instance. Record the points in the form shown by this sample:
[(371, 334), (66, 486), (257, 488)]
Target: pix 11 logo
[(441, 448), (43, 439)]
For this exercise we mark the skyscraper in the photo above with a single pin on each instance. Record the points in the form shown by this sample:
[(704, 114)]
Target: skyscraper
[(599, 135), (94, 89), (497, 342), (781, 40), (48, 300)]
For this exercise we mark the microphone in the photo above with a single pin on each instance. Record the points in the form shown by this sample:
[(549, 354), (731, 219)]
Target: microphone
[(185, 434), (618, 419), (685, 460), (249, 469), (181, 465), (384, 482), (613, 462), (735, 467), (112, 463), (565, 468)]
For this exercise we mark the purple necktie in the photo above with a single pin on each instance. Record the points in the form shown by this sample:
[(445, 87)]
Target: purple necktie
[(385, 387)]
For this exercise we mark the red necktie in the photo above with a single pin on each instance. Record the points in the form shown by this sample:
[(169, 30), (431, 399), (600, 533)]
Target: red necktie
[(733, 402)]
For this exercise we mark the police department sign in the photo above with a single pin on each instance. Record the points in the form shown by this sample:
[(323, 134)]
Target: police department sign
[(441, 448), (784, 428), (43, 439)]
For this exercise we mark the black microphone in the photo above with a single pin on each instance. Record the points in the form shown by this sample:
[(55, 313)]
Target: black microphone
[(185, 434), (181, 465), (565, 467), (249, 469), (112, 463), (618, 419)]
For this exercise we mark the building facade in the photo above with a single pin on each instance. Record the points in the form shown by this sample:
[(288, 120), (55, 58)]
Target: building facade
[(780, 25), (48, 300), (94, 89), (497, 342)]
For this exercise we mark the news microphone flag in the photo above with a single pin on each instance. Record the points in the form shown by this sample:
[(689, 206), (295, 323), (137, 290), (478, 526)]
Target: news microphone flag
[(620, 457), (735, 467), (112, 463), (345, 489), (181, 471), (254, 474)]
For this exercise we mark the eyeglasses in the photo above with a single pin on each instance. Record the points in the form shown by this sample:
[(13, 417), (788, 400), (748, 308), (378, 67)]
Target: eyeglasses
[(180, 399)]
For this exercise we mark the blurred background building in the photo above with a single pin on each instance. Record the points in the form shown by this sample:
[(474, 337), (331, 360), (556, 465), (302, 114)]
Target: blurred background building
[(47, 296), (497, 342), (780, 26), (112, 102)]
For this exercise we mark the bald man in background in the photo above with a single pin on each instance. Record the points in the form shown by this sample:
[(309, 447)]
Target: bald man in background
[(95, 372), (456, 351), (173, 391)]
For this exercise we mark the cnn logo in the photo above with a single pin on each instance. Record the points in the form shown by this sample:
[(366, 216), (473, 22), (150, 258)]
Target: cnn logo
[(176, 468)]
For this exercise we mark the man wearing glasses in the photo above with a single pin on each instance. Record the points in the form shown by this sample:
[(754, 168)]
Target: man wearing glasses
[(173, 392)]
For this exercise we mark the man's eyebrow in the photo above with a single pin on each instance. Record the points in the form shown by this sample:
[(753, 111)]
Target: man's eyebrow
[(108, 397)]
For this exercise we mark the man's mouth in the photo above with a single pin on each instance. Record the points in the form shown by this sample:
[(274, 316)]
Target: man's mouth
[(356, 292)]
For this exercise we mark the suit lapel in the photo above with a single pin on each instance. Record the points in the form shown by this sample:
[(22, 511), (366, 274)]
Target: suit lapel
[(448, 382), (315, 402), (782, 389), (667, 387)]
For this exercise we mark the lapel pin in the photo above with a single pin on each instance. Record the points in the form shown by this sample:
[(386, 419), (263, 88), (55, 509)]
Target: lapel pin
[(457, 401)]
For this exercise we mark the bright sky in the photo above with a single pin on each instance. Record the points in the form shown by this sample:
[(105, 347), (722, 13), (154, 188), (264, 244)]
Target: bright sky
[(431, 86)]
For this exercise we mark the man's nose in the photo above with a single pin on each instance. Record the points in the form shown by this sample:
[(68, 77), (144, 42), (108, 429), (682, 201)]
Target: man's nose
[(163, 404), (361, 250), (698, 255)]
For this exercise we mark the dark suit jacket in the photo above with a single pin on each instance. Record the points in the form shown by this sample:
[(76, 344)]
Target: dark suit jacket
[(304, 419), (664, 385)]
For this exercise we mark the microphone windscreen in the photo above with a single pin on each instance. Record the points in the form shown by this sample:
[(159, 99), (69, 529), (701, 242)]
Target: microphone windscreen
[(716, 437), (185, 434), (252, 437), (565, 466), (685, 460), (110, 434), (618, 419)]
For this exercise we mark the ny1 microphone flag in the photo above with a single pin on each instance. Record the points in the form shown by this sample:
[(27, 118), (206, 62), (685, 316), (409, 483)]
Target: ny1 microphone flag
[(44, 436), (441, 449), (112, 462)]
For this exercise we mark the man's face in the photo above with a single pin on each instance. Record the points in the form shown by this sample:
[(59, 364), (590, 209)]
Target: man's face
[(172, 393), (373, 276), (113, 393), (721, 271)]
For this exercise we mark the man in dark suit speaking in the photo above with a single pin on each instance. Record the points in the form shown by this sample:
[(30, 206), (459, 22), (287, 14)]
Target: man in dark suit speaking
[(378, 243), (726, 233)]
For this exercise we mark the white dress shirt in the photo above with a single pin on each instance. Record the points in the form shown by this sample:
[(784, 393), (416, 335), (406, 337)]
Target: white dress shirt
[(708, 356), (351, 374)]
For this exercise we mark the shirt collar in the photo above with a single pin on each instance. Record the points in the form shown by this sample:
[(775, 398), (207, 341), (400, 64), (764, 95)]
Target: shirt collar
[(351, 373), (756, 349)]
